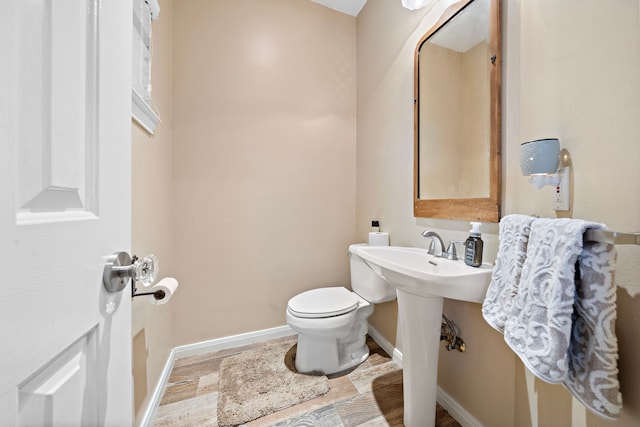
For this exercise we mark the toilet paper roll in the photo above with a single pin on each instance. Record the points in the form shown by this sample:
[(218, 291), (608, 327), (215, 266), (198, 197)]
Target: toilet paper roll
[(163, 290), (378, 238)]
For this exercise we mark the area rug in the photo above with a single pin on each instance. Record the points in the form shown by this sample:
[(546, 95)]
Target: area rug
[(263, 381)]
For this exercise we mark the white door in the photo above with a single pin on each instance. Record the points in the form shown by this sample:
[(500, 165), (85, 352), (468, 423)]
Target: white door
[(65, 129)]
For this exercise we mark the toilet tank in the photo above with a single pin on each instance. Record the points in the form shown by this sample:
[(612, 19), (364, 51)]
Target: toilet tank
[(366, 282)]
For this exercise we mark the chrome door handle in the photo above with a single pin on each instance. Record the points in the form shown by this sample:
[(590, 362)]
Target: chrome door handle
[(120, 268)]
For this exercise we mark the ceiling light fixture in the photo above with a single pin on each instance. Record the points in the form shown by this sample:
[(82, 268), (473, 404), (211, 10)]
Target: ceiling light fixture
[(417, 4)]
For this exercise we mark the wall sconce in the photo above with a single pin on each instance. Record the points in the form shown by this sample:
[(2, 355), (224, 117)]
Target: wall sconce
[(545, 164)]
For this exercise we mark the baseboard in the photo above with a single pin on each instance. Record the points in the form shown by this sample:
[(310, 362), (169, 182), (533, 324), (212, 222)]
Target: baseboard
[(206, 347), (456, 410), (232, 341), (156, 396), (389, 348)]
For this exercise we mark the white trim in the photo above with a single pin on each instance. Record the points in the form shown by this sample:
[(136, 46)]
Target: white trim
[(30, 218), (455, 409), (142, 113), (232, 341), (205, 347), (389, 348), (154, 402)]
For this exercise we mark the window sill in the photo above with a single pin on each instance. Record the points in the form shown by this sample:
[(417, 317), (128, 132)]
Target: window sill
[(143, 114)]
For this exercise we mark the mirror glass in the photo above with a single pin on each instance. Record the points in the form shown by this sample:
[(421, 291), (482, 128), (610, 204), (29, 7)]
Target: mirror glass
[(457, 131)]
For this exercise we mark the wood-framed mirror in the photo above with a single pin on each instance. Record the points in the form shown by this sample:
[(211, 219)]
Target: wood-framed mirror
[(457, 115)]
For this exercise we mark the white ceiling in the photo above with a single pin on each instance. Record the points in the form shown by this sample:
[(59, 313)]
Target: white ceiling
[(350, 7), (467, 29)]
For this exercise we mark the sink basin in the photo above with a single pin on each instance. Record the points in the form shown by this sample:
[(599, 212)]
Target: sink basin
[(416, 272), (423, 282)]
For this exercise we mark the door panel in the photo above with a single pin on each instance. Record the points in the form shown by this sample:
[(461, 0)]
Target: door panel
[(65, 129), (50, 397), (56, 99)]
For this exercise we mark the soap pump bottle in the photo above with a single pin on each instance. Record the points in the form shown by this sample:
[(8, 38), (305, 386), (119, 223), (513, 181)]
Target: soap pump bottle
[(473, 246)]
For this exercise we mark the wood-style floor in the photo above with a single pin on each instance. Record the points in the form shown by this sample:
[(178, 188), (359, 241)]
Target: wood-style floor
[(370, 395)]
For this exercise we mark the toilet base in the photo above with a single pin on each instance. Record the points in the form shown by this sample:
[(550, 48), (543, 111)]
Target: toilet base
[(321, 356), (321, 353)]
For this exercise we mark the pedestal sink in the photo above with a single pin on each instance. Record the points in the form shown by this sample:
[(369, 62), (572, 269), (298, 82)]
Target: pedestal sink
[(422, 282)]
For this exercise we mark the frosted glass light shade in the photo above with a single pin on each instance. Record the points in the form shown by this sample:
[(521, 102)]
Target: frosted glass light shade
[(416, 4), (541, 156)]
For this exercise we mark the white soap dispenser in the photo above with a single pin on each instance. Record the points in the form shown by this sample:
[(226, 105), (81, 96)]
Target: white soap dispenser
[(473, 246)]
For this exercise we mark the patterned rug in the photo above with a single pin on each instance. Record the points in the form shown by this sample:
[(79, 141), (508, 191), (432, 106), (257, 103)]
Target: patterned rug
[(263, 381)]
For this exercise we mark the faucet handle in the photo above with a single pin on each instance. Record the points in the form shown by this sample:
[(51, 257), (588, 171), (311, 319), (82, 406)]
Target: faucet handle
[(451, 250), (432, 247)]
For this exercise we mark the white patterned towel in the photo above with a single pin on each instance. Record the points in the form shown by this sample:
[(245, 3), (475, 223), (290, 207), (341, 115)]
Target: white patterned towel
[(593, 352), (561, 332), (512, 251)]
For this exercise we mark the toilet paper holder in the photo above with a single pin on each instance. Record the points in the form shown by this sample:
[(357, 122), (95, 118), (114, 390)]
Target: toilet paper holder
[(120, 268)]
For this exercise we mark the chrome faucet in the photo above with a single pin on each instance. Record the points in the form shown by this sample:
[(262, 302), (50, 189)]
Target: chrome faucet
[(437, 245), (451, 250)]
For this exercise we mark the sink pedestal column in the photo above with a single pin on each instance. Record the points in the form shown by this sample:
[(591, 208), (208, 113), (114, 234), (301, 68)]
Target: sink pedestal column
[(419, 321)]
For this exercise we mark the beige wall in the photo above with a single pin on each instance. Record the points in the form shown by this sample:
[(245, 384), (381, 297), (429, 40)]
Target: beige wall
[(474, 153), (264, 159), (441, 107), (247, 191), (152, 217), (454, 113), (577, 80)]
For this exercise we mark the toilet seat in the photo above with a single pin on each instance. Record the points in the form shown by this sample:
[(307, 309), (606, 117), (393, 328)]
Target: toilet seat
[(323, 302)]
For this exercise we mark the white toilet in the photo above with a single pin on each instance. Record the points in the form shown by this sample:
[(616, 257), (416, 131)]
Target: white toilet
[(332, 322)]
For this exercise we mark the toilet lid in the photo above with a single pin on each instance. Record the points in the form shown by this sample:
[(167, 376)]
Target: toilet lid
[(323, 302)]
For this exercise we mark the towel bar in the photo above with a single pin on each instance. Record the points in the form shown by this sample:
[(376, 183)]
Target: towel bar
[(611, 237)]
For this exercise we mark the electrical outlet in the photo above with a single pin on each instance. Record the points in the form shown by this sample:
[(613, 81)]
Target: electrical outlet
[(561, 191)]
